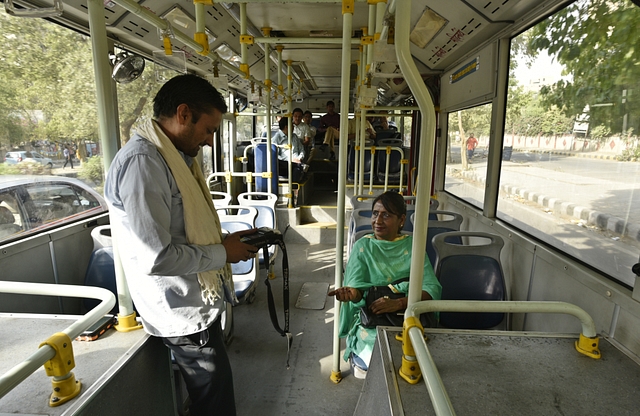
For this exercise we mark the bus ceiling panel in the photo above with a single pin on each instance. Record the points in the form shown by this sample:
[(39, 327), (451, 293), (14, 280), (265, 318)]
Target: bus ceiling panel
[(462, 25), (468, 25), (314, 19)]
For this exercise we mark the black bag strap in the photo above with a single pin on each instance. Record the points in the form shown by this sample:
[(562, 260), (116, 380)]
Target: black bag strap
[(285, 296)]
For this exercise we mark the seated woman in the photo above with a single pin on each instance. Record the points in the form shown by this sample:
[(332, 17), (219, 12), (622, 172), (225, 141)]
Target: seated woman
[(378, 259)]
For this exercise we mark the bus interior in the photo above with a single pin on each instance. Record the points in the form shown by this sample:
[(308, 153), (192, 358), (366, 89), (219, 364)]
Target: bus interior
[(510, 127)]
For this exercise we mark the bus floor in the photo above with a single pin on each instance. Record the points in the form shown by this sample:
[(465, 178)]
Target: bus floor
[(258, 354)]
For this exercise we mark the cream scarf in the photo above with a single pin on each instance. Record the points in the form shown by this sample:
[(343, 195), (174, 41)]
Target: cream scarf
[(201, 222)]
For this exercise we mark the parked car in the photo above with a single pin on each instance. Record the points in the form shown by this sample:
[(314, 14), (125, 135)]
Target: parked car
[(31, 204), (20, 156)]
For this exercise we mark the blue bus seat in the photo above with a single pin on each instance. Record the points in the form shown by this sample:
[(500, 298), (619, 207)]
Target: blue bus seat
[(446, 221), (351, 160), (235, 218), (260, 160), (395, 161), (101, 273), (470, 271)]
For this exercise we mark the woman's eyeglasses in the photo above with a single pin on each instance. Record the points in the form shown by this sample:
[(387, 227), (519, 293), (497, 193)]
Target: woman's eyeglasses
[(384, 215)]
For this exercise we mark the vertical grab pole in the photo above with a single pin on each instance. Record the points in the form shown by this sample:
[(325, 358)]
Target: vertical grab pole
[(109, 137), (290, 135), (267, 82), (427, 137), (347, 22)]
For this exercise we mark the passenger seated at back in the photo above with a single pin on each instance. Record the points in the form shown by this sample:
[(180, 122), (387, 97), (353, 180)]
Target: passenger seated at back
[(306, 120), (332, 134), (297, 152), (378, 260)]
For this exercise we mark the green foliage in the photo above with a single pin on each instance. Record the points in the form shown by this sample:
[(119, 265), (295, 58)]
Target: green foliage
[(93, 170), (630, 155), (24, 168), (597, 43), (600, 133), (48, 88)]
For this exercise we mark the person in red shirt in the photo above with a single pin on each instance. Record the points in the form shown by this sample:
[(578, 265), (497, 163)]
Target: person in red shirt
[(472, 143)]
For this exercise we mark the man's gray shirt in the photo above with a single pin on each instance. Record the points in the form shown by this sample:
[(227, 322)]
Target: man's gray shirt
[(145, 207)]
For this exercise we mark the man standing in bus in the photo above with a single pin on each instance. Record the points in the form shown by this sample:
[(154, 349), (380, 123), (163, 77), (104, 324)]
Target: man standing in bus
[(170, 241), (472, 143)]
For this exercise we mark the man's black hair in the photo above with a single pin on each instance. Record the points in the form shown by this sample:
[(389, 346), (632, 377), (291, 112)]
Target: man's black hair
[(284, 122), (297, 109), (308, 112), (331, 103), (192, 90)]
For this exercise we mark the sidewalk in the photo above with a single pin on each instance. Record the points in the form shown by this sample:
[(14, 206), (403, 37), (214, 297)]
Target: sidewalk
[(559, 207), (587, 155)]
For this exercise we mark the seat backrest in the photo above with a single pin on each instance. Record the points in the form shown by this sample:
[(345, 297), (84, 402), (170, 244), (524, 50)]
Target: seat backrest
[(236, 217), (265, 203), (6, 217), (220, 198), (351, 160), (470, 271), (444, 222), (101, 237), (362, 201)]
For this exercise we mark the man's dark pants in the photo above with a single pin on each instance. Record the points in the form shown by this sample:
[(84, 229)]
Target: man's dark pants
[(204, 365)]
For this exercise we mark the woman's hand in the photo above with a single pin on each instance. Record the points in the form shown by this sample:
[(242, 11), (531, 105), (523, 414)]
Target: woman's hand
[(388, 305), (346, 294)]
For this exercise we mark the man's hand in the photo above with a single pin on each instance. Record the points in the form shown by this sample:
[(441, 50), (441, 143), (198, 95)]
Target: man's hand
[(237, 250)]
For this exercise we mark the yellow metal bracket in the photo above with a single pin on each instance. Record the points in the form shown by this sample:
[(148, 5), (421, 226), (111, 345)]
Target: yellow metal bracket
[(388, 150), (127, 323), (266, 175), (65, 386), (267, 83), (366, 40), (373, 149), (203, 40), (336, 377), (62, 363), (348, 6), (205, 2), (588, 346), (245, 69), (410, 370), (166, 41), (404, 161), (248, 39), (249, 177), (227, 177)]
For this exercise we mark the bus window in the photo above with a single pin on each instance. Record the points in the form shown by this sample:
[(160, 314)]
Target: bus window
[(467, 149), (570, 158)]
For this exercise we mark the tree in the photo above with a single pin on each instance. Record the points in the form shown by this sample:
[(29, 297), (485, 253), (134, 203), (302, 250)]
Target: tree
[(597, 42), (50, 79)]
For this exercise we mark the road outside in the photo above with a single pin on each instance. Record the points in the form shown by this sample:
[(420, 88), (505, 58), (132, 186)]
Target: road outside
[(586, 207)]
